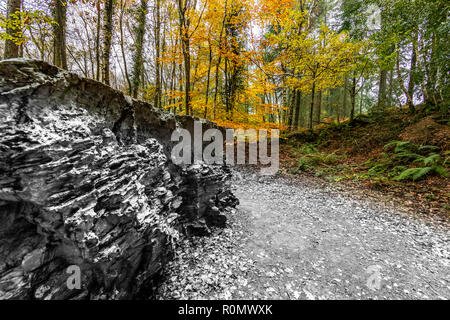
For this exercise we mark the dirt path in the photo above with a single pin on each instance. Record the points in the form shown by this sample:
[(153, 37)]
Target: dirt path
[(291, 240)]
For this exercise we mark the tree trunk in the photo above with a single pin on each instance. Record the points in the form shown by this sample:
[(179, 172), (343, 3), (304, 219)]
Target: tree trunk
[(11, 49), (180, 84), (353, 98), (227, 89), (319, 106), (187, 75), (344, 102), (292, 109), (208, 79), (382, 89), (405, 90), (138, 61), (157, 51), (219, 60), (127, 76), (283, 112), (107, 35), (59, 35), (216, 89), (97, 41), (298, 102), (361, 101), (410, 96), (186, 50), (313, 92)]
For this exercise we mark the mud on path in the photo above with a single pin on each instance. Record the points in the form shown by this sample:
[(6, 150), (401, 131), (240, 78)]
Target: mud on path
[(289, 239)]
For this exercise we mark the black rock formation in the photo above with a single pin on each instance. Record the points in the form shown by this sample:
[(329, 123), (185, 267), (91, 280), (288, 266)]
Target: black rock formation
[(86, 181)]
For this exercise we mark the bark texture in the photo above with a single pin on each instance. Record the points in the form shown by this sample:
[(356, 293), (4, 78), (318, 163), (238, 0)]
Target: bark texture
[(107, 36)]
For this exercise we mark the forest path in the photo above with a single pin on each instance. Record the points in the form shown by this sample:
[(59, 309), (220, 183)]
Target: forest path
[(289, 239)]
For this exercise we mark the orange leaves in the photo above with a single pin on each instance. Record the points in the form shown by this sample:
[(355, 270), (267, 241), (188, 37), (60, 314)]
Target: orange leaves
[(274, 12)]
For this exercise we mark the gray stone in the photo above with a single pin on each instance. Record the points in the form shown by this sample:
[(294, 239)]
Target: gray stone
[(86, 180)]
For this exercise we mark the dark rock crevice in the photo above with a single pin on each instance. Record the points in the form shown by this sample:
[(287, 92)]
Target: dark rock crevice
[(87, 181)]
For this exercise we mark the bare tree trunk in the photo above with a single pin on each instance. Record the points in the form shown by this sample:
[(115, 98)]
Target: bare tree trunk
[(107, 35), (139, 46), (11, 49), (127, 76), (97, 42), (86, 25), (59, 35)]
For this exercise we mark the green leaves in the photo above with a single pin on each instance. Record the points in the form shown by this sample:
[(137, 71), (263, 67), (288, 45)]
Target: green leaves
[(19, 22), (412, 174), (407, 153)]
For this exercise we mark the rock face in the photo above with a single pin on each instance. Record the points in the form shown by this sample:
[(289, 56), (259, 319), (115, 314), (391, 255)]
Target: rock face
[(86, 184)]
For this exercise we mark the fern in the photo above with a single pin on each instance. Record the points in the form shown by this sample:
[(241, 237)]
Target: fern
[(447, 160), (428, 148), (413, 174), (406, 152), (432, 159), (440, 170), (401, 146), (407, 156), (377, 169), (308, 149), (396, 171)]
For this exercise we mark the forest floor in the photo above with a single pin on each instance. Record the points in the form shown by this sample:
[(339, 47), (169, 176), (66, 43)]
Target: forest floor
[(356, 156), (300, 238)]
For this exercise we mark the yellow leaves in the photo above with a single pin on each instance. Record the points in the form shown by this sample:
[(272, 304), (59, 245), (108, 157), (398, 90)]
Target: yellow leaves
[(317, 59), (275, 12), (293, 54)]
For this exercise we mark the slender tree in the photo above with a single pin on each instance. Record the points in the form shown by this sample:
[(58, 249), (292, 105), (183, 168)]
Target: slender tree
[(138, 61), (97, 40), (122, 46), (59, 34), (107, 36), (183, 6), (411, 84), (219, 60), (157, 101), (11, 48)]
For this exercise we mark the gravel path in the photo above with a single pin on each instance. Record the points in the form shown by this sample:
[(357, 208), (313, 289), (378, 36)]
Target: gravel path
[(289, 239)]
